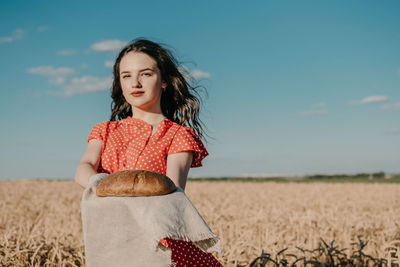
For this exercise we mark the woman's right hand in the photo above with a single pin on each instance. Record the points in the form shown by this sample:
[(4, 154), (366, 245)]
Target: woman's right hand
[(89, 163)]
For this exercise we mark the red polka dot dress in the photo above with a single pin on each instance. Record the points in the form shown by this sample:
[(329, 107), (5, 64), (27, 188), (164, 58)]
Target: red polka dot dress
[(129, 144)]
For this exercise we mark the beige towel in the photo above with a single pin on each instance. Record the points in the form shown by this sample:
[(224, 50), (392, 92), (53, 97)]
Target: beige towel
[(125, 231)]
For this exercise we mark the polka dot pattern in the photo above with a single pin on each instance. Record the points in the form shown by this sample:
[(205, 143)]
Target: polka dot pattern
[(185, 254), (130, 144)]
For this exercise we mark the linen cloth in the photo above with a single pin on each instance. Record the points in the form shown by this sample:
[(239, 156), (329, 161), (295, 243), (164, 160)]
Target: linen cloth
[(125, 231)]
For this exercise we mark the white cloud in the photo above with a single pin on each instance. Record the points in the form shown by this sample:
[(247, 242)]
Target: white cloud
[(55, 75), (109, 45), (42, 28), (66, 52), (85, 85), (198, 74), (50, 71), (74, 86), (6, 40), (313, 112), (57, 80), (16, 35), (193, 74), (71, 86), (374, 99), (391, 106), (109, 64)]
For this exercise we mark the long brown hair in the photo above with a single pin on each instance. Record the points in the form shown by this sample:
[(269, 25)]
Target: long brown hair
[(180, 102)]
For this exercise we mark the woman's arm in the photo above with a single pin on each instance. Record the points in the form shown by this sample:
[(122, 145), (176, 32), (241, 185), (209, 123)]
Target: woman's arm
[(89, 163), (178, 166)]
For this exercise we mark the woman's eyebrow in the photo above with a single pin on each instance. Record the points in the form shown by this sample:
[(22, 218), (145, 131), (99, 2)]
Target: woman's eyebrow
[(127, 71)]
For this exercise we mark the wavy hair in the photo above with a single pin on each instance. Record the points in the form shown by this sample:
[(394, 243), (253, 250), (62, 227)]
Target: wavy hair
[(180, 102)]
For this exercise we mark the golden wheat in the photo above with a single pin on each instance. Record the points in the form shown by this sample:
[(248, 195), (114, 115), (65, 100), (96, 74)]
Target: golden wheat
[(40, 223)]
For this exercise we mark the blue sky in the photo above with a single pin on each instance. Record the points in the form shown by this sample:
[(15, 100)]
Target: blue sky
[(294, 87)]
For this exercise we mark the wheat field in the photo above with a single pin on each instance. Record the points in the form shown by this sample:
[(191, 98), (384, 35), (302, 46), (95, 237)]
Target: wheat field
[(40, 223)]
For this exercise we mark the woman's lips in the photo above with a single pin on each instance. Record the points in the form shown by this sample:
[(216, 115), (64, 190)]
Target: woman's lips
[(137, 93)]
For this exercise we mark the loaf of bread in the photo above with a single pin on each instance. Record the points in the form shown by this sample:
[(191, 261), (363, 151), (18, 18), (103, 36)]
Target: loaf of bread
[(135, 183)]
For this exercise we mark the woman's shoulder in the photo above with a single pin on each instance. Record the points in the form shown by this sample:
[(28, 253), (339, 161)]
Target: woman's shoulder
[(180, 129), (186, 139), (187, 131), (186, 134), (106, 124)]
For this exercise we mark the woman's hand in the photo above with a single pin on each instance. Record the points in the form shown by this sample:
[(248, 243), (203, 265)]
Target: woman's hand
[(178, 166), (89, 163)]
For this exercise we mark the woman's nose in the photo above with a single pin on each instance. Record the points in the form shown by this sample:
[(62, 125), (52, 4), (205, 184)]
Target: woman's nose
[(135, 82)]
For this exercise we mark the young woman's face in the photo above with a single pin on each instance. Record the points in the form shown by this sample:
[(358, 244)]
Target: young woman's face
[(141, 81)]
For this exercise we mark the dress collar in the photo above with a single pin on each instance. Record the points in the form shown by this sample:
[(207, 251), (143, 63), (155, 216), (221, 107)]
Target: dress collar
[(136, 121)]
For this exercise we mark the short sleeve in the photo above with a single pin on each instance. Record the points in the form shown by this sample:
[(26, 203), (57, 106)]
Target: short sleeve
[(98, 131), (187, 140)]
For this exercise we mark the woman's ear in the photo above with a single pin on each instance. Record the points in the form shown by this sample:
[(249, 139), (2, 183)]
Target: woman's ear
[(164, 86)]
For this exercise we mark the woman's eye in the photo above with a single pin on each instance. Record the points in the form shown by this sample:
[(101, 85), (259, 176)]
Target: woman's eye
[(125, 76), (146, 74)]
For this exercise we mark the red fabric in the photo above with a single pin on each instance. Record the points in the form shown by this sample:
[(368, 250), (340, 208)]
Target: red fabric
[(185, 254), (130, 144)]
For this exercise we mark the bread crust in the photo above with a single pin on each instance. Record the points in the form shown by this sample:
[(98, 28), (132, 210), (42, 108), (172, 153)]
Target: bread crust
[(135, 183)]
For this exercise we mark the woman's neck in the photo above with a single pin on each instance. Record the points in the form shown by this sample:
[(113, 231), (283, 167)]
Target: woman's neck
[(152, 118)]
